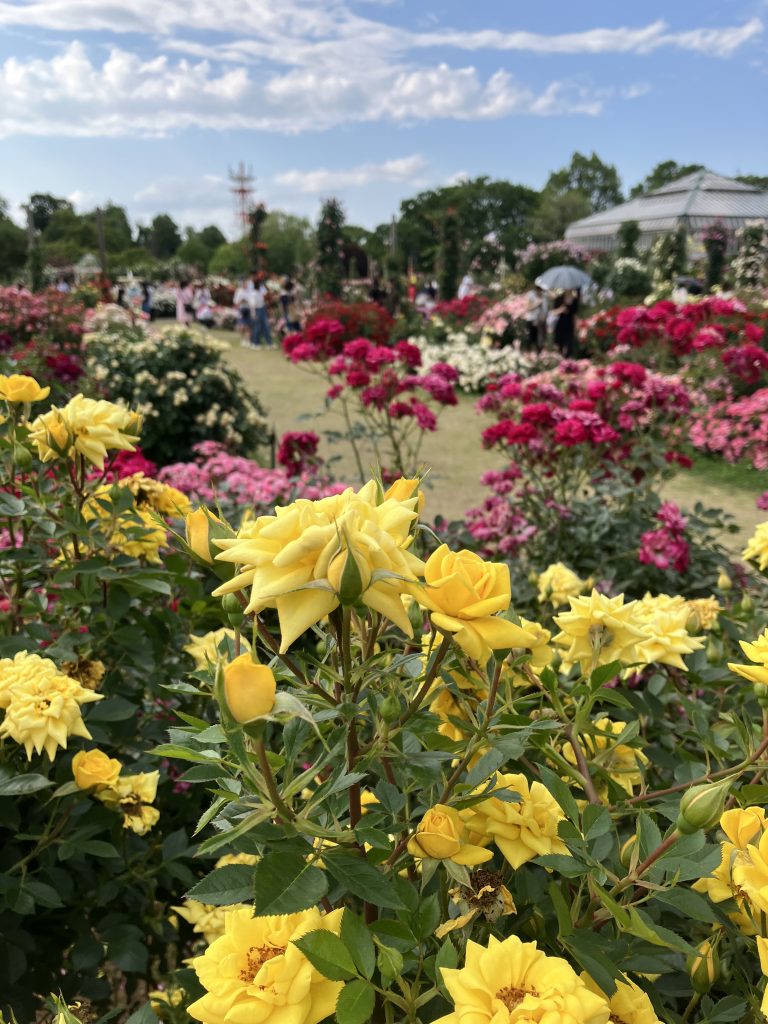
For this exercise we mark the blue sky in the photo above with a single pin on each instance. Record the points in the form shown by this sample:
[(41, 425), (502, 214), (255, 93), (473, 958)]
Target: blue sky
[(148, 102)]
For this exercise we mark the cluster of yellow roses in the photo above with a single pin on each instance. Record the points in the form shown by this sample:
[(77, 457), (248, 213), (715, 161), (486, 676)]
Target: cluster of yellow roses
[(41, 704), (129, 795), (255, 971)]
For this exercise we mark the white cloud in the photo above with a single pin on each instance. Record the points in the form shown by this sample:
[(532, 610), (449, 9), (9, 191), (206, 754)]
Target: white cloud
[(70, 94), (293, 66), (408, 169)]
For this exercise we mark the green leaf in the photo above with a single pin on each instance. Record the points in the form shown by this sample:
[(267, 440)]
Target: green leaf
[(691, 904), (328, 954), (564, 921), (285, 884), (355, 1003), (10, 505), (561, 793), (357, 939), (185, 753), (128, 954), (446, 957), (362, 879), (603, 674), (649, 835), (567, 866), (232, 883), (390, 962), (144, 1015), (21, 785)]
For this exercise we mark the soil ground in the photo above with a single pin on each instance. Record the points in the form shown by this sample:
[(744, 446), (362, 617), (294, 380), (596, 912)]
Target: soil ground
[(294, 400)]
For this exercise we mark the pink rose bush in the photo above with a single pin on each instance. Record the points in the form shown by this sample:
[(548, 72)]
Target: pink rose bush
[(215, 476), (735, 430)]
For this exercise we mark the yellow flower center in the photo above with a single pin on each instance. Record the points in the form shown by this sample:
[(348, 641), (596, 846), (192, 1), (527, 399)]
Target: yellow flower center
[(512, 997), (255, 959)]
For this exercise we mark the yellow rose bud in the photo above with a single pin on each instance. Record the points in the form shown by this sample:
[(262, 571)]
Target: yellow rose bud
[(625, 854), (704, 967), (441, 835), (93, 768), (249, 689), (18, 387), (714, 650), (404, 489), (201, 527), (349, 576), (724, 581), (702, 806)]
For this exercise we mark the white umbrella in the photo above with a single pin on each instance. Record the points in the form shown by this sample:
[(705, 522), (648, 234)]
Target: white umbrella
[(560, 278)]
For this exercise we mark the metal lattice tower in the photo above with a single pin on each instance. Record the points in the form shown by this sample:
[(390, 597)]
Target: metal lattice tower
[(241, 186)]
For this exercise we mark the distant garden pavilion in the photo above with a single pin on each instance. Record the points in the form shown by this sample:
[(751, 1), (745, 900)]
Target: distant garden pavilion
[(693, 202)]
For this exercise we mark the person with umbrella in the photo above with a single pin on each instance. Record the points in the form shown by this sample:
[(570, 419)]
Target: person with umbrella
[(567, 282)]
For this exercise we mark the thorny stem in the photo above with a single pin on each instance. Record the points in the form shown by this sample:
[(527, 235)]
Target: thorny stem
[(581, 761), (280, 805), (417, 701), (489, 708), (291, 665)]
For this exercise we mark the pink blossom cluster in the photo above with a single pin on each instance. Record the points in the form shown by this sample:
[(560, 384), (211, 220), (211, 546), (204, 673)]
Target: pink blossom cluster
[(215, 476), (318, 342), (736, 430), (747, 363), (501, 316), (607, 409), (41, 333), (666, 546), (552, 253)]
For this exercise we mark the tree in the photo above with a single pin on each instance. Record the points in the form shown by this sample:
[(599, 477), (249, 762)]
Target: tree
[(193, 251), (118, 235), (483, 209), (43, 205), (329, 239), (76, 234), (449, 262), (556, 211), (229, 260), (212, 237), (164, 237), (758, 180), (599, 182), (13, 248), (663, 173), (628, 236), (289, 241)]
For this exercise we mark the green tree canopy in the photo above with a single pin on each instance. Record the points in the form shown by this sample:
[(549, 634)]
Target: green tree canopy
[(229, 260), (556, 211), (289, 240), (598, 181), (118, 235), (43, 205), (164, 237), (482, 207), (329, 239), (194, 252), (758, 180), (211, 237), (13, 246), (663, 174)]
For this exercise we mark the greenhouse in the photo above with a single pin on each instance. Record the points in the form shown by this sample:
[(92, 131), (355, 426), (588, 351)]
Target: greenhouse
[(694, 202)]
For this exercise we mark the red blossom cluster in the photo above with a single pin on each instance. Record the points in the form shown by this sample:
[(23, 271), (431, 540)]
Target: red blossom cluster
[(297, 452), (460, 312), (357, 319), (607, 409), (712, 322), (41, 333), (666, 546)]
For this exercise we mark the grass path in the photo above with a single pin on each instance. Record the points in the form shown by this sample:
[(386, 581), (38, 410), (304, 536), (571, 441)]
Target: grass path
[(293, 398)]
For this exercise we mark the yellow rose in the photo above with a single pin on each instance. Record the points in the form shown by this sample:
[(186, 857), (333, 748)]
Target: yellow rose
[(522, 829), (198, 530), (743, 825), (131, 795), (757, 547), (757, 652), (557, 583), (18, 387), (300, 559), (87, 426), (249, 689), (93, 768), (256, 972), (464, 593), (441, 835)]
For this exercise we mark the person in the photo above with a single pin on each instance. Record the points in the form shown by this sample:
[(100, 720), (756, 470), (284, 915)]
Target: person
[(62, 285), (260, 325), (183, 302), (376, 293), (288, 302), (243, 304), (146, 301), (466, 286), (413, 285), (565, 308), (536, 317)]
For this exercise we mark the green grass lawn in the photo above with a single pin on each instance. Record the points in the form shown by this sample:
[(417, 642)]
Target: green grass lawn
[(295, 400)]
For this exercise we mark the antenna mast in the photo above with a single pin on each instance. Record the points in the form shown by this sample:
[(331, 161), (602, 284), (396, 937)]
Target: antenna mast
[(241, 186)]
